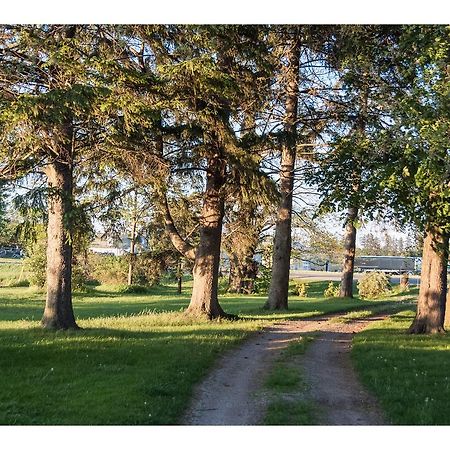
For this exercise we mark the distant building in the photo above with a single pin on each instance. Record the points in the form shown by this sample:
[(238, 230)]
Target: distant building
[(106, 247), (117, 247)]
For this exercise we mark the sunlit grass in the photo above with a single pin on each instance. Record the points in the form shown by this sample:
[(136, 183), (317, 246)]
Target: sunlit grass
[(120, 370), (136, 359), (410, 374)]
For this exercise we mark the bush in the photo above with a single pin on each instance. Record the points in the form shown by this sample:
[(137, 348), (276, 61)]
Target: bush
[(132, 289), (79, 276), (373, 285), (300, 289), (21, 283), (147, 269), (224, 284), (36, 262), (108, 269), (262, 281), (333, 290)]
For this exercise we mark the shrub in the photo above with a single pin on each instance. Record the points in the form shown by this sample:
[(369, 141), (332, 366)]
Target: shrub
[(332, 290), (147, 269), (21, 283), (108, 269), (36, 262), (373, 285), (300, 289), (132, 289), (262, 281), (224, 284)]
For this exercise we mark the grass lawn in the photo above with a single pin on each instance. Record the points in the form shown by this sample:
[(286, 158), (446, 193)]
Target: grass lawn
[(136, 359), (409, 374), (11, 271)]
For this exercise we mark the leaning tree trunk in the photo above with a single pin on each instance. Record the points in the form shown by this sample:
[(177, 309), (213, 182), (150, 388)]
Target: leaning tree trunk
[(349, 254), (433, 285), (204, 300), (279, 283), (58, 313)]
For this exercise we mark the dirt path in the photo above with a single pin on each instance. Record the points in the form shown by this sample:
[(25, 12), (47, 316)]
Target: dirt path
[(228, 395)]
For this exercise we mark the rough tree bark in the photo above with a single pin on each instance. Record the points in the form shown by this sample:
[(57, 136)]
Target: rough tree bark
[(349, 254), (433, 284), (243, 273), (204, 300), (58, 312), (206, 255), (279, 284)]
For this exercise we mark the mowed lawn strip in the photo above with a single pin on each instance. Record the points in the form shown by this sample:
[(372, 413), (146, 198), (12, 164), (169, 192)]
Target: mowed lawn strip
[(409, 374), (132, 363)]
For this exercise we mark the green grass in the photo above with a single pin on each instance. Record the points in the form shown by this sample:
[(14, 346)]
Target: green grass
[(136, 359), (409, 374), (11, 270), (105, 301), (288, 412), (128, 370), (289, 403)]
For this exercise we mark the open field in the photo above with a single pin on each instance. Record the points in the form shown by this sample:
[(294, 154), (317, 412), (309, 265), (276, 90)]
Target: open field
[(136, 359)]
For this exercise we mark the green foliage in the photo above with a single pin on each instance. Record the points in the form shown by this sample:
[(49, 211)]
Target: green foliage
[(373, 285), (132, 289), (36, 260), (21, 283), (262, 282), (332, 290), (148, 268), (79, 277), (224, 284), (108, 269), (300, 289), (417, 174)]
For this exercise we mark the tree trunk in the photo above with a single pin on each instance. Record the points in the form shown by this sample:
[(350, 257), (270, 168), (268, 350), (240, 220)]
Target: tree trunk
[(433, 285), (349, 254), (58, 313), (179, 277), (404, 282), (204, 300), (236, 277), (279, 284), (132, 252), (250, 274), (242, 273)]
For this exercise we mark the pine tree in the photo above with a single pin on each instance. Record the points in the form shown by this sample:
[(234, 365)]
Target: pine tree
[(48, 118)]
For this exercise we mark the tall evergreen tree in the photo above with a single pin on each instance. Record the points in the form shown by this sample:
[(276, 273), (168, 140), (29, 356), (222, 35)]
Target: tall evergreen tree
[(211, 77), (50, 101)]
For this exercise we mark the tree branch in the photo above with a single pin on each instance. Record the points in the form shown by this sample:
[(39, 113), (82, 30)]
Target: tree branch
[(186, 249)]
